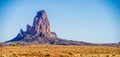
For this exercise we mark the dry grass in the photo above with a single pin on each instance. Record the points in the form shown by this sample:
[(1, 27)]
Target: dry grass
[(59, 51)]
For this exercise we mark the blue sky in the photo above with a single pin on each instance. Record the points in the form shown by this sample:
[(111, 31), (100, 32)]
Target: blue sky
[(95, 21)]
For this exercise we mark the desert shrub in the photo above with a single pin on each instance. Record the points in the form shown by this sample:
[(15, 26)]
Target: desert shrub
[(113, 55), (107, 55), (15, 44), (47, 55), (71, 53), (68, 52), (14, 55)]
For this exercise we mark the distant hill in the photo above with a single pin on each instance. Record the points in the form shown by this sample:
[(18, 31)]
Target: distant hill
[(39, 33)]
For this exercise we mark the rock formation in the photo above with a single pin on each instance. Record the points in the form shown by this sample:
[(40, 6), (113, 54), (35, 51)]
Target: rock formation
[(39, 29), (39, 33), (40, 26)]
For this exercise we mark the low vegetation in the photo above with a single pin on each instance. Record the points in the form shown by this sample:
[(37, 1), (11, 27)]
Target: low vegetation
[(15, 44), (59, 51)]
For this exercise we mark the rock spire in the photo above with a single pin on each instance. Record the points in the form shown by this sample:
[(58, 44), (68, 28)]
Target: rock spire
[(39, 30), (40, 25)]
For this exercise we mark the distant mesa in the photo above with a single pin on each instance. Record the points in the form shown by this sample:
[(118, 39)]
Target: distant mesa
[(40, 33)]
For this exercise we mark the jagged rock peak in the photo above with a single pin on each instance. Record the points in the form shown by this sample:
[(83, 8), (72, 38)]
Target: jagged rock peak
[(39, 30), (41, 13), (40, 26)]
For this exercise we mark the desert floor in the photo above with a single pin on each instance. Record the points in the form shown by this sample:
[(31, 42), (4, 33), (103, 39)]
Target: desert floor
[(59, 51)]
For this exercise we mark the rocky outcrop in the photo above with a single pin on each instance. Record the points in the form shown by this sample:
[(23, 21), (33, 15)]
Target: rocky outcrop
[(39, 33), (39, 29)]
